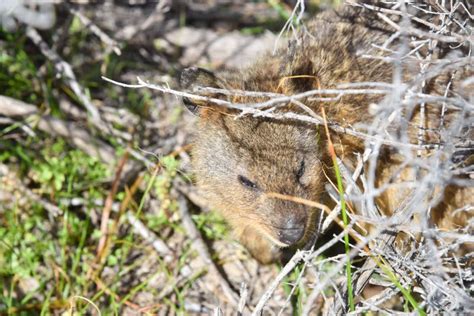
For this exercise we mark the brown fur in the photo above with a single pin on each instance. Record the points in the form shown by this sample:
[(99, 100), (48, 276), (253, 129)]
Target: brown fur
[(229, 152)]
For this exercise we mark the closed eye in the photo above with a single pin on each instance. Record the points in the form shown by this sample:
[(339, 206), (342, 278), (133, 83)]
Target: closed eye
[(190, 106), (300, 171), (247, 183)]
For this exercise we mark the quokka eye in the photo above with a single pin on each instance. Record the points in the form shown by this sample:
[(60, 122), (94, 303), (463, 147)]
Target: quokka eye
[(247, 183), (300, 171)]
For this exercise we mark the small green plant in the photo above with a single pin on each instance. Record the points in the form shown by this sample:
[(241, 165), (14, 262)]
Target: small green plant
[(212, 225), (62, 170), (384, 266), (32, 253), (278, 7), (291, 286), (255, 30), (163, 184), (18, 73)]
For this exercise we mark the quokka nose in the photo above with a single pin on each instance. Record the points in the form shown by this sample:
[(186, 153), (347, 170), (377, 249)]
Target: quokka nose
[(291, 233)]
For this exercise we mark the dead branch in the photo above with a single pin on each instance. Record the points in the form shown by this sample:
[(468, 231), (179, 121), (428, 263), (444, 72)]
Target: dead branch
[(112, 44), (201, 248), (65, 70)]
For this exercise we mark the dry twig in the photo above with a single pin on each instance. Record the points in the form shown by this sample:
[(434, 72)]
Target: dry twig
[(201, 248)]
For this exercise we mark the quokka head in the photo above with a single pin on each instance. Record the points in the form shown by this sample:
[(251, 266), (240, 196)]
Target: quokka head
[(240, 163)]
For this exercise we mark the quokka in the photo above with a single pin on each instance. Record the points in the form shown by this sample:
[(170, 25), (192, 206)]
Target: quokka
[(239, 162)]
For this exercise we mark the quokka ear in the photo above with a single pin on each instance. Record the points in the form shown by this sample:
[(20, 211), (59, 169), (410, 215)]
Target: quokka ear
[(194, 77)]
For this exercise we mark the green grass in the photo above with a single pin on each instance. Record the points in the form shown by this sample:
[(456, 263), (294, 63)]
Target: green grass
[(35, 249), (292, 286), (380, 263), (407, 294), (345, 219), (280, 9), (18, 72), (46, 261), (56, 256)]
